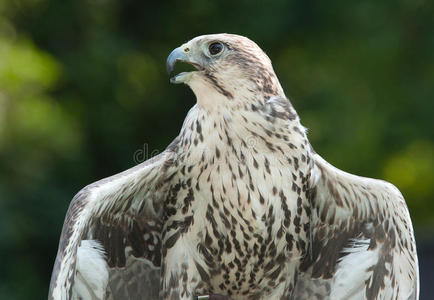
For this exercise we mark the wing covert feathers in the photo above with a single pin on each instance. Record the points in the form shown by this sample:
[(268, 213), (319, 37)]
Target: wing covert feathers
[(121, 213), (362, 240)]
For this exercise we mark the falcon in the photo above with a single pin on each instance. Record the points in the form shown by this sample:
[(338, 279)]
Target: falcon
[(239, 205)]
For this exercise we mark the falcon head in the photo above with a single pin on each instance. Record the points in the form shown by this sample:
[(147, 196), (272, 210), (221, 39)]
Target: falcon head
[(230, 65)]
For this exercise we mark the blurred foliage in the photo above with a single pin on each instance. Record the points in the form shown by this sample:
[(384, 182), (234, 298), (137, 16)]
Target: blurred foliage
[(83, 86)]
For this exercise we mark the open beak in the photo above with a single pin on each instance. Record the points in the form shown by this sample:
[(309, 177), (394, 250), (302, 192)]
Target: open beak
[(179, 54)]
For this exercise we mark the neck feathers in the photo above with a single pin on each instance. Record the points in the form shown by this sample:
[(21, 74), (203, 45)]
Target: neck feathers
[(268, 126), (215, 91)]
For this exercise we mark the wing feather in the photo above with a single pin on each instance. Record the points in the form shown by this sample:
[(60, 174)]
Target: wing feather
[(362, 241), (123, 213)]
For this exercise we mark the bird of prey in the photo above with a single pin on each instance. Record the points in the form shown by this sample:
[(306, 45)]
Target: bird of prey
[(239, 206)]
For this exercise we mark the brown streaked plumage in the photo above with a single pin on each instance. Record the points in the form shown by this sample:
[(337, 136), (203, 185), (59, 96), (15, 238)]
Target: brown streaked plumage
[(239, 205)]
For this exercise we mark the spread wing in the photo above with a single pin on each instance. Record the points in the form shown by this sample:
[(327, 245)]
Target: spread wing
[(362, 242), (110, 242)]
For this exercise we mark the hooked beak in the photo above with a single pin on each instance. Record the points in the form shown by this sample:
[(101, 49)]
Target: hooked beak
[(180, 54)]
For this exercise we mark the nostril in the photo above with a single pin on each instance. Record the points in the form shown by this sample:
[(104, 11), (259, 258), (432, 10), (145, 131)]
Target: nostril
[(186, 50)]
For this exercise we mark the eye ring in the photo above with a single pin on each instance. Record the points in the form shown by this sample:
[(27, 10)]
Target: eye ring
[(215, 48)]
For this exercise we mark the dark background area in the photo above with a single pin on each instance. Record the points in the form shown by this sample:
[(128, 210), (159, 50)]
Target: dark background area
[(84, 95)]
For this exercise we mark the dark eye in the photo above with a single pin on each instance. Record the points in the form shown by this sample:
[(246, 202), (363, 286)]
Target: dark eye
[(215, 48)]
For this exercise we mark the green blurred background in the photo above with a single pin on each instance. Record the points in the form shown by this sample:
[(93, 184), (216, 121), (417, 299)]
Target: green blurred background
[(83, 88)]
